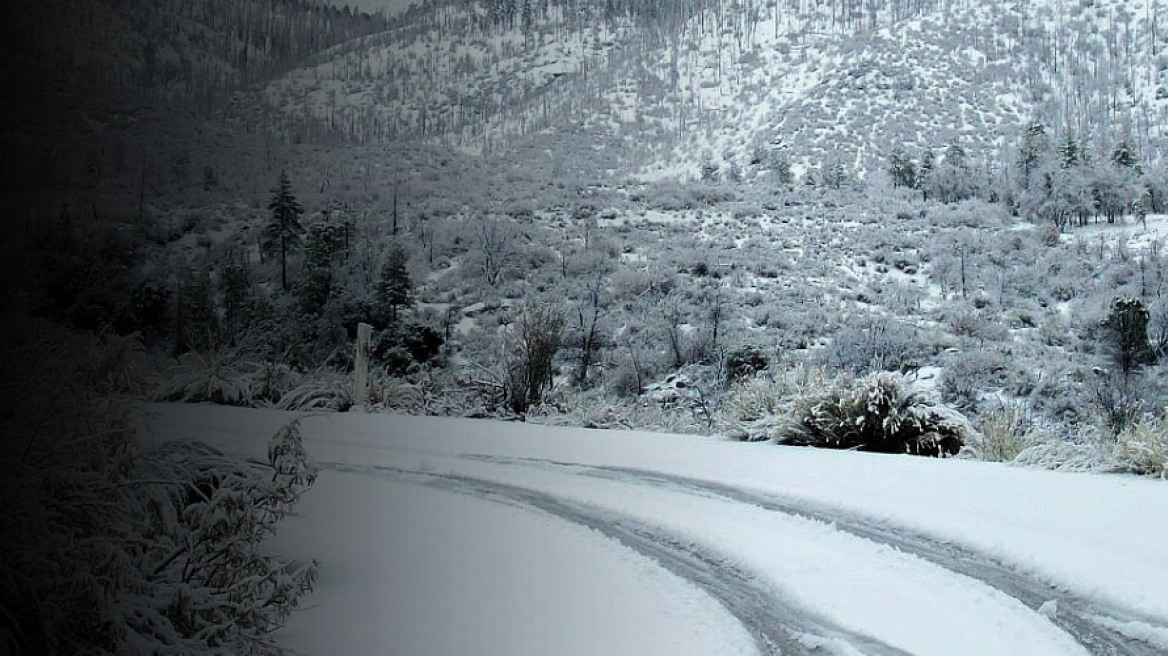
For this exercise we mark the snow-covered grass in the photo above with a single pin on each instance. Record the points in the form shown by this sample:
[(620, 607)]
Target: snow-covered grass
[(1143, 447), (1003, 435), (1085, 534)]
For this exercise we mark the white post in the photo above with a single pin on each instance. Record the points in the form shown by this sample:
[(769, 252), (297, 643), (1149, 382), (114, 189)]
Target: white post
[(361, 367)]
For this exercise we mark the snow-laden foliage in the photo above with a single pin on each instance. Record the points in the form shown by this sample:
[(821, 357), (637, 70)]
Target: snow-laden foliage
[(877, 413), (593, 409), (324, 390), (1004, 434), (754, 409), (1143, 447), (113, 547), (1086, 456), (397, 395), (218, 377)]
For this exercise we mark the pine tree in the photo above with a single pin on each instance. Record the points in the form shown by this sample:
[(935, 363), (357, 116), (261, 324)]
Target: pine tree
[(902, 170), (325, 247), (1031, 151), (1069, 152), (1127, 324), (284, 231), (925, 176), (950, 181), (395, 289), (955, 155)]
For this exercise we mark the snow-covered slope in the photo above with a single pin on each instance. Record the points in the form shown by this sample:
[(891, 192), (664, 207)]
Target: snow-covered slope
[(727, 80), (850, 552)]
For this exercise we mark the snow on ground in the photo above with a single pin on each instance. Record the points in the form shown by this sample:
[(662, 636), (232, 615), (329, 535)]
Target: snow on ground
[(396, 556), (1132, 233), (406, 570)]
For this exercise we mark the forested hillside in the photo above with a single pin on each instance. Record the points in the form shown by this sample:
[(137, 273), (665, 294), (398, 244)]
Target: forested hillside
[(827, 83), (186, 52)]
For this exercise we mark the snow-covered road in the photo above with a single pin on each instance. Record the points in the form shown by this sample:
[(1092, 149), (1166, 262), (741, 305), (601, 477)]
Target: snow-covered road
[(441, 536)]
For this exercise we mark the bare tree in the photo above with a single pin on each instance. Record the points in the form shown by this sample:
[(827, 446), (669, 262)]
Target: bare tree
[(531, 362), (673, 333), (494, 241), (589, 336)]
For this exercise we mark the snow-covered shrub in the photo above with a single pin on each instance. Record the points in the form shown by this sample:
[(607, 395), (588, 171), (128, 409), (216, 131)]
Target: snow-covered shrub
[(1142, 448), (1089, 455), (977, 325), (1120, 401), (877, 345), (971, 374), (744, 362), (968, 375), (396, 394), (1003, 435), (118, 362), (322, 390), (594, 409), (110, 547), (273, 380), (752, 409), (219, 377), (877, 413), (203, 583)]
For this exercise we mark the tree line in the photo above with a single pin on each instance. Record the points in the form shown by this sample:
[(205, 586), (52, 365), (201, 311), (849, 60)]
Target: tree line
[(1060, 179)]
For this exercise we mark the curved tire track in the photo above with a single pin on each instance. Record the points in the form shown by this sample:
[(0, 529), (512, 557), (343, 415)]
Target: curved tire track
[(777, 628), (1086, 621)]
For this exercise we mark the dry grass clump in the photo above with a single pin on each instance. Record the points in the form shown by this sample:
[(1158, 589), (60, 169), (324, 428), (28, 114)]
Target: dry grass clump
[(1004, 434), (1142, 448)]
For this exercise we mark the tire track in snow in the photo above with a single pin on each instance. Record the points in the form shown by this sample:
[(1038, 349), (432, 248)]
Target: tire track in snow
[(1091, 624), (776, 627)]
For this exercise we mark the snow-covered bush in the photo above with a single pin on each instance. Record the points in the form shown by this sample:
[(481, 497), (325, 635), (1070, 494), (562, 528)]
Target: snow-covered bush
[(1003, 435), (1090, 455), (322, 390), (877, 413), (1142, 448), (876, 345), (752, 409), (593, 409), (744, 362), (111, 547), (218, 376), (399, 395)]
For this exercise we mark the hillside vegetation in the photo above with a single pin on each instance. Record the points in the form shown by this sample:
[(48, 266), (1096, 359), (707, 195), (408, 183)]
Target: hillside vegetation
[(700, 216)]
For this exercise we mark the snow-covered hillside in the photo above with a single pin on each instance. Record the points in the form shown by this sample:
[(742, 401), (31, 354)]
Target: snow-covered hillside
[(823, 83), (448, 536)]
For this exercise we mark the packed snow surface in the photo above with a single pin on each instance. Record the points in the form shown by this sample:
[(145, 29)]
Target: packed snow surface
[(408, 567)]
